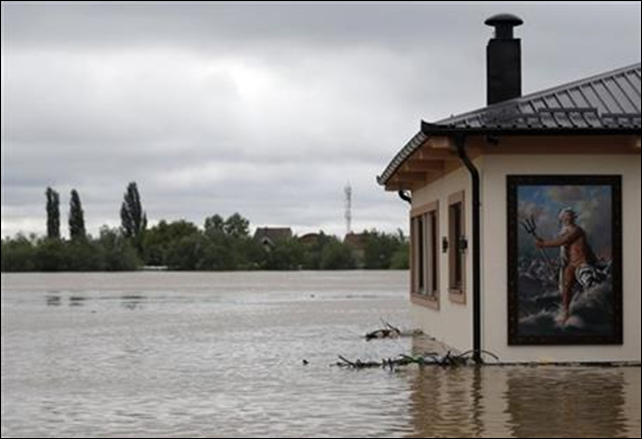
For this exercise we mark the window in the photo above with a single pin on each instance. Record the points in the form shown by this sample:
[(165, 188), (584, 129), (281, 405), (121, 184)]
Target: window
[(420, 252), (457, 247), (425, 255)]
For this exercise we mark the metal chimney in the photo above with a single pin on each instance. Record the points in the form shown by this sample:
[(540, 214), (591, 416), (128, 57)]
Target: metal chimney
[(503, 60)]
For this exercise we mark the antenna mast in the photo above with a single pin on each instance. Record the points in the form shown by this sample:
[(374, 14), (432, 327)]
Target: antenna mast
[(348, 206)]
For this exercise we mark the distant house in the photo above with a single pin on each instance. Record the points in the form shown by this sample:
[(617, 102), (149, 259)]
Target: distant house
[(310, 239), (525, 216), (269, 236)]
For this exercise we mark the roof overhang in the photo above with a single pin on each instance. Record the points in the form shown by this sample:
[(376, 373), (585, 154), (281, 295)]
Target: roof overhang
[(424, 158), (431, 153), (432, 129), (607, 104)]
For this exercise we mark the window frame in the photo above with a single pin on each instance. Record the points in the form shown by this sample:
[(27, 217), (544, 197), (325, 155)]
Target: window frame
[(456, 255), (431, 258)]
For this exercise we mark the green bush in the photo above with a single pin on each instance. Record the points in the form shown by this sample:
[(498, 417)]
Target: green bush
[(18, 254), (222, 244), (118, 252), (337, 256)]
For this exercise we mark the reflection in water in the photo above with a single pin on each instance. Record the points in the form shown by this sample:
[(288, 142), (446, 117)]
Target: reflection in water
[(225, 360), (128, 301), (444, 403), (568, 402), (53, 299), (77, 300), (132, 302), (520, 402)]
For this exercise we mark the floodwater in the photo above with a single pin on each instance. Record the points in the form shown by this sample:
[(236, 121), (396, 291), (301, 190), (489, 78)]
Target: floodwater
[(221, 355)]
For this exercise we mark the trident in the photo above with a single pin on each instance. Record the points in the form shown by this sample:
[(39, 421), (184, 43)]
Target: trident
[(530, 226)]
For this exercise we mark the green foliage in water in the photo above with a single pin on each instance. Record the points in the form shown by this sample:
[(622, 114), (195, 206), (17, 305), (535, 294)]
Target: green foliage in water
[(222, 244), (386, 251), (111, 251)]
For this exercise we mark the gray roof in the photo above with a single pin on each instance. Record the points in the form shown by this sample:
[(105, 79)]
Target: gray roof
[(608, 103), (273, 234)]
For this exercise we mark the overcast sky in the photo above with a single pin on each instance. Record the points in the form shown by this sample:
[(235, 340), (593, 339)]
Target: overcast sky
[(268, 110)]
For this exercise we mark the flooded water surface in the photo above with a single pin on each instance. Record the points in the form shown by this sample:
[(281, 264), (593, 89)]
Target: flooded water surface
[(222, 355)]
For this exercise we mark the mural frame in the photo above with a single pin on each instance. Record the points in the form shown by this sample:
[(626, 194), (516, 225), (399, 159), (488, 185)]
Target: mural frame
[(514, 182)]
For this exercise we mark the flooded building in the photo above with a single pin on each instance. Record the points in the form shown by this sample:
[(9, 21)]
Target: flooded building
[(269, 236), (310, 239), (525, 216)]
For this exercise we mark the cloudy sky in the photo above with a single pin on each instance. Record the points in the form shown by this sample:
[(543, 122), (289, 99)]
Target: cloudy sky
[(264, 109)]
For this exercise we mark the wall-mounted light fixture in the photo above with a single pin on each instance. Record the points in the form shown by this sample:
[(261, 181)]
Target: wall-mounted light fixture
[(463, 244), (445, 245)]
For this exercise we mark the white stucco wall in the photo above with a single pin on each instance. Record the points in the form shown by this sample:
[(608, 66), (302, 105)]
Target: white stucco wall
[(494, 256), (452, 323)]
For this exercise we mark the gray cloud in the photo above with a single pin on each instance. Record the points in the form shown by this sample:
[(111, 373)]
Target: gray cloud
[(263, 109)]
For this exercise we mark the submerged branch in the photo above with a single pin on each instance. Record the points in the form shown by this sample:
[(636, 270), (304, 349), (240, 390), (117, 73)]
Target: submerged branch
[(428, 359), (390, 332)]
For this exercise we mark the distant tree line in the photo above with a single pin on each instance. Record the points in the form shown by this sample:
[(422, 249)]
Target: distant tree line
[(221, 244)]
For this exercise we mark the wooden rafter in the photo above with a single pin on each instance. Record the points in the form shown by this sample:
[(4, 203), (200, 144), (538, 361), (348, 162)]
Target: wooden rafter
[(429, 163), (412, 176), (435, 154), (416, 165), (442, 143)]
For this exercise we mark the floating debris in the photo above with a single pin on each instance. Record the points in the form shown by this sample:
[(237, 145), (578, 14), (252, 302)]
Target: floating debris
[(390, 332), (429, 359)]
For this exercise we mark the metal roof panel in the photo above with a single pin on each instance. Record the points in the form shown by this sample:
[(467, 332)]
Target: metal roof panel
[(609, 101)]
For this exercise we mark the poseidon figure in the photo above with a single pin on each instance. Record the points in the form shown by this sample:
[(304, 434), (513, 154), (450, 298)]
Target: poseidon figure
[(576, 255)]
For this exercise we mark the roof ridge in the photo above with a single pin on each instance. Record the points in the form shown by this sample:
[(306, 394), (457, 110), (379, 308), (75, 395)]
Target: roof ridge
[(544, 92)]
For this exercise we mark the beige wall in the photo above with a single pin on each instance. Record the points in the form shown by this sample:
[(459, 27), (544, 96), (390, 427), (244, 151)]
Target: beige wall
[(494, 256), (452, 323)]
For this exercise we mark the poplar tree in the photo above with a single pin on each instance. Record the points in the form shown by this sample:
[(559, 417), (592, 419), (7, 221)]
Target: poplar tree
[(53, 214), (133, 218), (76, 218)]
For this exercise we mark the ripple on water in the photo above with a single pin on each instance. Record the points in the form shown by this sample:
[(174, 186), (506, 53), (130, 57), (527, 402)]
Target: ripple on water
[(222, 357)]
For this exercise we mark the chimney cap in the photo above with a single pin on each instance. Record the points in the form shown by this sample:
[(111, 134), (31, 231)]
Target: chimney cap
[(504, 24), (504, 20)]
